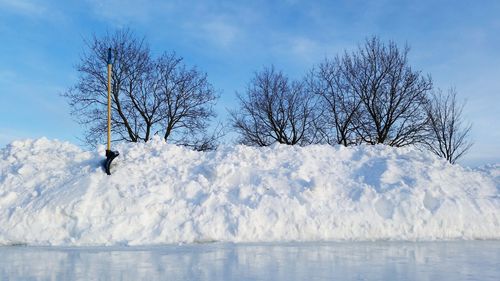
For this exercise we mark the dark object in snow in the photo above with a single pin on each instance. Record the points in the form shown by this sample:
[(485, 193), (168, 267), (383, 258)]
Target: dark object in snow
[(110, 156)]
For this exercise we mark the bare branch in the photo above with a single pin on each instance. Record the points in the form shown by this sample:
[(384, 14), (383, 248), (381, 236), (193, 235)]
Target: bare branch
[(448, 135), (274, 110)]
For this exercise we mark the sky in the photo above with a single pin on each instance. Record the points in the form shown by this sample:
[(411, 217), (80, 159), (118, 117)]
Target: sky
[(456, 42)]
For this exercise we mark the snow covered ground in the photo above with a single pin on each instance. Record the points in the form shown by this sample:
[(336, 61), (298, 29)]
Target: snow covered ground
[(54, 193)]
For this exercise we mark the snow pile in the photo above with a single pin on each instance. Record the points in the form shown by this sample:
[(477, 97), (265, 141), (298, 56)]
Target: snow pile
[(53, 193)]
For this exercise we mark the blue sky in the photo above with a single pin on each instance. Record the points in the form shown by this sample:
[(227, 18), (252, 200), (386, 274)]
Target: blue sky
[(457, 42)]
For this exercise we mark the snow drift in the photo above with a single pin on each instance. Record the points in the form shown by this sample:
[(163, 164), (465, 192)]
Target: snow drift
[(54, 193)]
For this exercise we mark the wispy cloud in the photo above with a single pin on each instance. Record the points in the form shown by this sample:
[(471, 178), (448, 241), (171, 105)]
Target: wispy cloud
[(125, 12), (8, 135), (304, 51), (303, 46), (7, 75), (196, 20), (24, 7), (216, 31)]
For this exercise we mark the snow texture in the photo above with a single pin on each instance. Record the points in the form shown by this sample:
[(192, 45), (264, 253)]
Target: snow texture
[(54, 193)]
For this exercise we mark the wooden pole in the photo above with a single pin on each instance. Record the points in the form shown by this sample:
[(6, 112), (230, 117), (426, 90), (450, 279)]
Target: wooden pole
[(109, 100)]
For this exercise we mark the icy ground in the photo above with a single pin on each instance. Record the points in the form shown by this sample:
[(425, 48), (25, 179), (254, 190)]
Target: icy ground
[(347, 261), (54, 193)]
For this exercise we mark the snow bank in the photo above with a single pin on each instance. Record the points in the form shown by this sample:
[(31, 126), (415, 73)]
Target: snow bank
[(53, 193)]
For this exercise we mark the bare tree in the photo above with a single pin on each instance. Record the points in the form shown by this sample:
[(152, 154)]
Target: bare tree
[(448, 134), (392, 94), (274, 109), (187, 103), (88, 98), (149, 96), (340, 105)]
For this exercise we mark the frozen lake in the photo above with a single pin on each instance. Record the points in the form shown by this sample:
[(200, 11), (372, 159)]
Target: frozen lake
[(461, 260)]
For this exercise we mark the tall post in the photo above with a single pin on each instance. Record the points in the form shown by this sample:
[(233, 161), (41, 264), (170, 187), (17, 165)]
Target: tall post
[(109, 100), (110, 155)]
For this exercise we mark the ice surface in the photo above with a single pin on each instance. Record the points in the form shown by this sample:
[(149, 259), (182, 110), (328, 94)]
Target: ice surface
[(54, 193), (443, 261)]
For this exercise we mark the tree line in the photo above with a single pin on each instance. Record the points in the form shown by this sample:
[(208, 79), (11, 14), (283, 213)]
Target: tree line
[(370, 95)]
